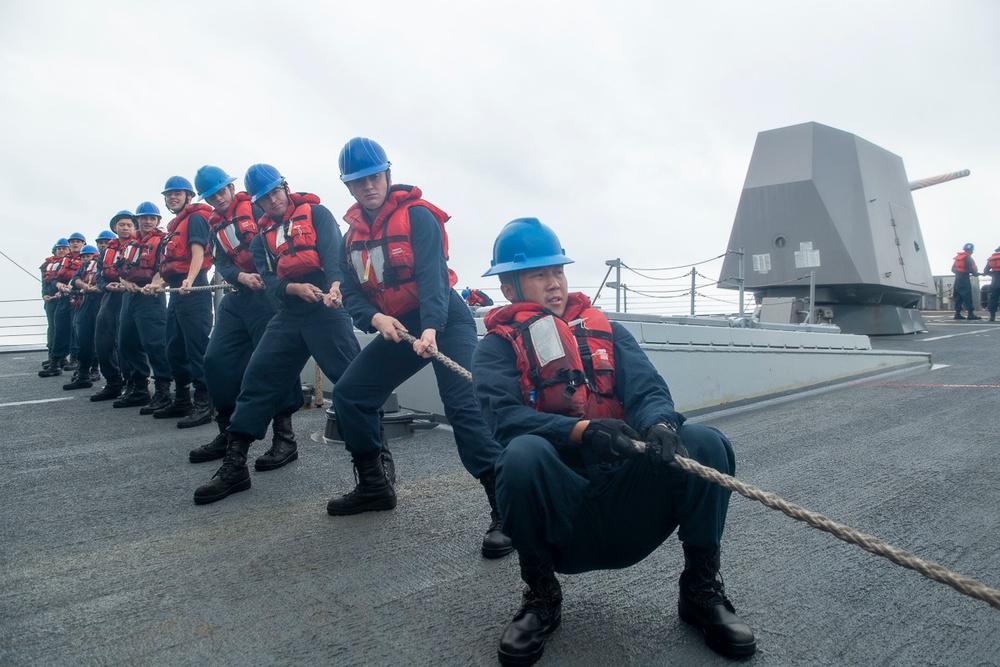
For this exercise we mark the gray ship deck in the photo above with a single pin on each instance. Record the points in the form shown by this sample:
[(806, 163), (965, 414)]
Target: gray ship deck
[(106, 560)]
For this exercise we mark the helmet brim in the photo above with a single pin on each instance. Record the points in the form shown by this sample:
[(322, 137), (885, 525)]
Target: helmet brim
[(368, 171), (535, 263), (212, 191)]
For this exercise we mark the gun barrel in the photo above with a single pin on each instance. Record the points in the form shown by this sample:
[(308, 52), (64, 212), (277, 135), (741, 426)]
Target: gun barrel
[(936, 180)]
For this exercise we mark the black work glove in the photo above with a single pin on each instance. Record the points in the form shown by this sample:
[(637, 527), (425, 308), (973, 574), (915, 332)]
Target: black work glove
[(610, 439), (662, 443)]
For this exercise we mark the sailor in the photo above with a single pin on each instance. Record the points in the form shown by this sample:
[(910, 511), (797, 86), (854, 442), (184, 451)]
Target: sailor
[(476, 298), (108, 317), (396, 277), (964, 267), (85, 282), (143, 321), (566, 391), (62, 342), (102, 240), (240, 319), (184, 264), (993, 270), (296, 253), (50, 295)]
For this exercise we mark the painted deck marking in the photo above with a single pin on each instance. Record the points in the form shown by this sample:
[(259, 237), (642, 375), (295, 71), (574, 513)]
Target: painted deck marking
[(44, 400)]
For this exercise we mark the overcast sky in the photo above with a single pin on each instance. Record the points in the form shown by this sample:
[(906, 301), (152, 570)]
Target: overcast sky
[(627, 126)]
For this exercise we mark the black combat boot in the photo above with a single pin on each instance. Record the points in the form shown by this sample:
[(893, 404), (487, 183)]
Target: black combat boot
[(232, 477), (373, 493), (523, 640), (973, 316), (283, 450), (959, 315), (993, 316), (138, 395), (111, 391), (179, 407), (81, 380), (217, 448), (495, 543), (703, 604), (200, 412), (72, 364), (95, 373), (160, 400), (54, 368)]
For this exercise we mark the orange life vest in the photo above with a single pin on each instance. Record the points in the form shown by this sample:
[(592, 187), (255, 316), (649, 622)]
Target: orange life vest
[(567, 363), (233, 232), (959, 264), (478, 298), (176, 252), (994, 263), (109, 260), (291, 243), (381, 253), (139, 259), (67, 267), (49, 268)]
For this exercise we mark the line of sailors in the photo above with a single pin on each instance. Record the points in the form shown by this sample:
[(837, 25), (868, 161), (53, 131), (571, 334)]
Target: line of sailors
[(298, 284)]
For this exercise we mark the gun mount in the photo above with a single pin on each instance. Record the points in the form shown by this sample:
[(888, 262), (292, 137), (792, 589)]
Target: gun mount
[(820, 199)]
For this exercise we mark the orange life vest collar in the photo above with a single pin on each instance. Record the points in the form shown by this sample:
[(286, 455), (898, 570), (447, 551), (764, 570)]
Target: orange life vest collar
[(567, 363), (381, 252)]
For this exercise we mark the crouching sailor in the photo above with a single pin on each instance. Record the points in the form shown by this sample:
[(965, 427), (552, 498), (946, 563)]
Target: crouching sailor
[(566, 391)]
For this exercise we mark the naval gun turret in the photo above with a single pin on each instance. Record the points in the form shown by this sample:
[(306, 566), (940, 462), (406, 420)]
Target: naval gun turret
[(817, 199)]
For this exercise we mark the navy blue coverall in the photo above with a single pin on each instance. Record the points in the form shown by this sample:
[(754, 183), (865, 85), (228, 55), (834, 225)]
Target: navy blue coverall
[(86, 322), (240, 321), (591, 515), (142, 335), (189, 317), (298, 330), (383, 365), (108, 321)]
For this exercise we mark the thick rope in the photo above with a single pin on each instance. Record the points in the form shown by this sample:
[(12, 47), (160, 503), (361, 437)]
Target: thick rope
[(451, 364), (199, 288), (869, 543)]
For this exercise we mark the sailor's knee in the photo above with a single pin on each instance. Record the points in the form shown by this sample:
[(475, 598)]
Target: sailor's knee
[(709, 446)]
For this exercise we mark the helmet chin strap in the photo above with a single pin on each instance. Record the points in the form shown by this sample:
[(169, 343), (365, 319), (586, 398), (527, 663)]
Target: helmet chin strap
[(517, 286)]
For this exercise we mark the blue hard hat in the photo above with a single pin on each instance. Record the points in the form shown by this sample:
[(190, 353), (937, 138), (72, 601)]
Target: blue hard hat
[(361, 157), (147, 208), (526, 243), (465, 294), (260, 179), (177, 183), (77, 236), (61, 243), (88, 248), (210, 180), (968, 247), (106, 235), (118, 216)]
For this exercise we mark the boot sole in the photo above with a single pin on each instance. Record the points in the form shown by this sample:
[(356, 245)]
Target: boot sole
[(169, 415), (734, 651), (191, 424), (374, 506), (96, 398), (88, 385), (496, 553), (205, 458), (264, 467), (235, 488), (522, 659)]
